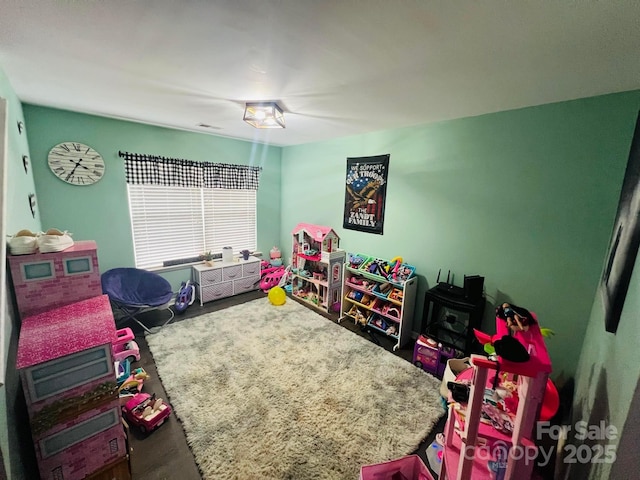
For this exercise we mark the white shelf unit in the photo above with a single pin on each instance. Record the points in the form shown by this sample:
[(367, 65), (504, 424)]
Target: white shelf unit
[(373, 305), (225, 279)]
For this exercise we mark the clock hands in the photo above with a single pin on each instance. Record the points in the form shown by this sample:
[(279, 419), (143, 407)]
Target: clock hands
[(77, 164)]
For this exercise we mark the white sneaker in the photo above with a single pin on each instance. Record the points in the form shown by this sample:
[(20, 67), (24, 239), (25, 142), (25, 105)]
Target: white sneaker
[(23, 243), (53, 240)]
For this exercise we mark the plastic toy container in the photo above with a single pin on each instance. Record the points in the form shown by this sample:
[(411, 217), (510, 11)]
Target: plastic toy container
[(405, 272), (374, 266), (356, 260), (410, 467), (380, 291)]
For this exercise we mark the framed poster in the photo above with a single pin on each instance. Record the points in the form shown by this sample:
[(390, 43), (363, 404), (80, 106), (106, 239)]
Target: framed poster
[(365, 193), (625, 239)]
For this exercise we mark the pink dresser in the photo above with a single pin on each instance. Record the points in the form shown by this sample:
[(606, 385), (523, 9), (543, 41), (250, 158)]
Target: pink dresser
[(66, 365), (43, 281)]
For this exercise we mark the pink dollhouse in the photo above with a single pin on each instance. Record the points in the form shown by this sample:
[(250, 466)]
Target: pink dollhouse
[(315, 238), (316, 266), (66, 366)]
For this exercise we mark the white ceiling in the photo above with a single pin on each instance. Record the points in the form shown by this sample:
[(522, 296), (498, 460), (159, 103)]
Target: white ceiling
[(337, 67)]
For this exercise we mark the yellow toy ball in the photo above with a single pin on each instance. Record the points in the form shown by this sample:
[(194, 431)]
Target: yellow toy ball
[(277, 296)]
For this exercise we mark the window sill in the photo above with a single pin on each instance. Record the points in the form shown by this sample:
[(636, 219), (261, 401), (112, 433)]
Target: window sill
[(184, 266)]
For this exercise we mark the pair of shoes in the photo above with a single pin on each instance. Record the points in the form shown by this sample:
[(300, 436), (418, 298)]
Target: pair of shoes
[(53, 240), (23, 243), (26, 242)]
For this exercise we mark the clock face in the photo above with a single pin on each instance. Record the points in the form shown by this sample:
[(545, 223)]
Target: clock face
[(76, 163)]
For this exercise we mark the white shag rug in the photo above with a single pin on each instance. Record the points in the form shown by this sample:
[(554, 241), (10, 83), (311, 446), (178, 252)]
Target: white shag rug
[(283, 393)]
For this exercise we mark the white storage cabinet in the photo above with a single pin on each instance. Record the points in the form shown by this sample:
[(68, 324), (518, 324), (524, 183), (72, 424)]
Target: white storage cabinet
[(225, 279)]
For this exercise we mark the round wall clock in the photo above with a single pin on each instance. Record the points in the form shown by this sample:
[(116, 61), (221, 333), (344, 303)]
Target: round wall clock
[(76, 163)]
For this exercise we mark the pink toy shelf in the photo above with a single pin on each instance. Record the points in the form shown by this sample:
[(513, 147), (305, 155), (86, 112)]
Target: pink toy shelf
[(466, 430)]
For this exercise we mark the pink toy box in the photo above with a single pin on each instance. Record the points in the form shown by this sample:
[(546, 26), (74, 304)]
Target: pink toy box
[(410, 467)]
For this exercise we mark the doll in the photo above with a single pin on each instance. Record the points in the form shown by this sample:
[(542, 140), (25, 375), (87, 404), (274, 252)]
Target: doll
[(518, 319)]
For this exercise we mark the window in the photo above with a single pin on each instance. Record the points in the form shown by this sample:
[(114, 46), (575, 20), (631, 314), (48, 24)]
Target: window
[(172, 223), (181, 209)]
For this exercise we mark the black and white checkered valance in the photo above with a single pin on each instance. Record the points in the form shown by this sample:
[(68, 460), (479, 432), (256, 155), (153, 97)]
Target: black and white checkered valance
[(144, 169)]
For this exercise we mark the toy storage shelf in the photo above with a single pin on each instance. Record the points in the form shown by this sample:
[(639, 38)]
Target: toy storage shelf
[(466, 433), (225, 279), (382, 304)]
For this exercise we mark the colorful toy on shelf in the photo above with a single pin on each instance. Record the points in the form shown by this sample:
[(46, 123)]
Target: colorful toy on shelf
[(125, 347), (355, 261), (357, 315), (395, 262), (146, 411)]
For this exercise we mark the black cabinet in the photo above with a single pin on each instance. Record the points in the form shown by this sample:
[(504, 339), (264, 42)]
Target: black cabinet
[(450, 318)]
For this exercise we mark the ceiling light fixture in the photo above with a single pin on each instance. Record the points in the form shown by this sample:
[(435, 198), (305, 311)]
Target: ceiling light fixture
[(264, 115)]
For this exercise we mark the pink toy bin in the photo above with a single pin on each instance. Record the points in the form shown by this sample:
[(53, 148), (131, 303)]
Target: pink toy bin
[(410, 467)]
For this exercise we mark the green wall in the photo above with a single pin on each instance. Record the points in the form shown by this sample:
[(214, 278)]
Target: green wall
[(607, 380), (18, 216), (100, 212), (526, 198), (607, 385)]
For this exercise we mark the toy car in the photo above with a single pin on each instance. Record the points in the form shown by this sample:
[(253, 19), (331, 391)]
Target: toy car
[(125, 347), (146, 411)]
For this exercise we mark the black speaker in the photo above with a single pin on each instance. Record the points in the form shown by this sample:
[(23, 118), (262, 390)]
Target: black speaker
[(473, 287)]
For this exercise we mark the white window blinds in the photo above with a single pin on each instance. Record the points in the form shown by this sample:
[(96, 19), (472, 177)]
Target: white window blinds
[(172, 223)]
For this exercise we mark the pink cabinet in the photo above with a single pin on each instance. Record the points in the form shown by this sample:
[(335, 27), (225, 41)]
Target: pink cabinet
[(66, 366)]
